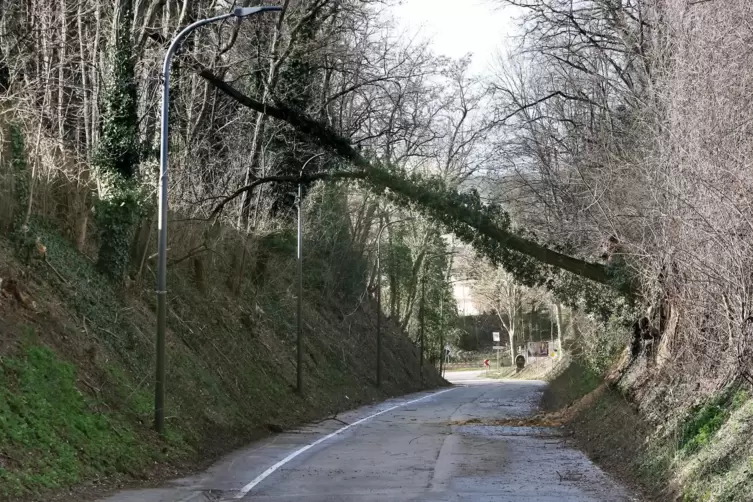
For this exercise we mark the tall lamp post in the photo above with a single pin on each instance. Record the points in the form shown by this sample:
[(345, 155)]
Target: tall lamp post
[(159, 391), (379, 301), (299, 304), (421, 314)]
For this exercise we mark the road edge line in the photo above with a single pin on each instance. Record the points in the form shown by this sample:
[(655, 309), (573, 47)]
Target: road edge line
[(264, 475)]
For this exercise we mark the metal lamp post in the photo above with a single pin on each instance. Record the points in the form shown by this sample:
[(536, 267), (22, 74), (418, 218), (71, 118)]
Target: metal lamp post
[(299, 305), (444, 354), (421, 313), (441, 336), (379, 302), (159, 392)]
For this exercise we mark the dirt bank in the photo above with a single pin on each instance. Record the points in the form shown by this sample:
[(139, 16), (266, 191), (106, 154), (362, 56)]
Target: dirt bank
[(76, 368)]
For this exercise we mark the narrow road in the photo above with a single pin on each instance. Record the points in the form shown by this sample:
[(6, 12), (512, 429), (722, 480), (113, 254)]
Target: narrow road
[(416, 448)]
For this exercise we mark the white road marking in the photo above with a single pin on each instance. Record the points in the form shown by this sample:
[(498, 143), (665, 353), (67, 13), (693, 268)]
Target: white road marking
[(264, 475)]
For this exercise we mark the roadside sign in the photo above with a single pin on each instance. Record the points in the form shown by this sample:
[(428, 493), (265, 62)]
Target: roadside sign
[(495, 336), (498, 347)]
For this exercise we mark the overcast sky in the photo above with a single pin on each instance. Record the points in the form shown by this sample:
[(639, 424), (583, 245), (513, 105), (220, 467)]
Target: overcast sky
[(457, 27)]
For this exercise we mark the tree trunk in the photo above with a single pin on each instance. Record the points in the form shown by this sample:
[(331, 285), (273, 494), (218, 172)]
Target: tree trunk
[(6, 168), (558, 309), (141, 239), (511, 334), (261, 118)]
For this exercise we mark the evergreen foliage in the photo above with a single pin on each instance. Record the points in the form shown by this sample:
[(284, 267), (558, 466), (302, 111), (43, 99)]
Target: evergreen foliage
[(118, 150), (487, 227), (21, 175), (298, 84), (117, 157)]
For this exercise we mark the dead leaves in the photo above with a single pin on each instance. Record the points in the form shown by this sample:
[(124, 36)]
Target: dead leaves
[(548, 420), (12, 289)]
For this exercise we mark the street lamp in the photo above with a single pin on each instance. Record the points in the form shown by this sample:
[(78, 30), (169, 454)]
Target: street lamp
[(299, 260), (159, 391), (379, 302), (421, 312)]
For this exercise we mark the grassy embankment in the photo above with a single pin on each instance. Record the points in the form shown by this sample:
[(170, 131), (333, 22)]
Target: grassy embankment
[(76, 363), (699, 454)]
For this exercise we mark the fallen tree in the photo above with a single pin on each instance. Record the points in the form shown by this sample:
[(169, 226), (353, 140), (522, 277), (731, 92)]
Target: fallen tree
[(486, 227)]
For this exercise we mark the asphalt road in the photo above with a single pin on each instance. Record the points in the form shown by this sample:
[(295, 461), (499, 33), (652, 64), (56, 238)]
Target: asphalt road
[(410, 449)]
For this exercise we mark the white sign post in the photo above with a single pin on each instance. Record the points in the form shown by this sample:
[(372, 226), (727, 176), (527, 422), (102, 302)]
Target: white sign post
[(497, 348)]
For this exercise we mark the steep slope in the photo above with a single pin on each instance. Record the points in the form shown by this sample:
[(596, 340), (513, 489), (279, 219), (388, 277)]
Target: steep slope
[(76, 362), (698, 451)]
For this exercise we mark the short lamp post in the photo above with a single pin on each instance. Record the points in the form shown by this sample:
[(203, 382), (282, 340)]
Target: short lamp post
[(421, 314), (379, 301), (299, 266)]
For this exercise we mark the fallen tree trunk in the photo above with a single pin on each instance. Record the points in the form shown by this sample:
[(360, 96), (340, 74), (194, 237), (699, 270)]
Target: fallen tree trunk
[(442, 207)]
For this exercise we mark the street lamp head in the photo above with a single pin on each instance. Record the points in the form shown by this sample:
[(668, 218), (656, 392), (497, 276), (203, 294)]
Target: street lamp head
[(249, 11)]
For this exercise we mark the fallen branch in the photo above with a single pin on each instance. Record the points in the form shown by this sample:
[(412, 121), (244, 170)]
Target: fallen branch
[(155, 255), (332, 418), (197, 250), (60, 276)]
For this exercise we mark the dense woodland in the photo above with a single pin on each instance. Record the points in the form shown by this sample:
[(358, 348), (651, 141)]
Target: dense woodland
[(607, 155)]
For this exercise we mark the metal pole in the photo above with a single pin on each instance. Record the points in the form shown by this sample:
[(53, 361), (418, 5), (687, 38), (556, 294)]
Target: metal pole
[(159, 389), (421, 312), (299, 303), (379, 316), (441, 335), (379, 301), (421, 360), (299, 362)]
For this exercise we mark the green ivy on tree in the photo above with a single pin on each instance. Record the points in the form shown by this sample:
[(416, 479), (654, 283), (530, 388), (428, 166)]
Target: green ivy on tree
[(117, 156), (426, 195), (21, 175), (299, 84)]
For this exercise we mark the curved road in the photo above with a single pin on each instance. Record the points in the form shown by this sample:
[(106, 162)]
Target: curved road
[(416, 448)]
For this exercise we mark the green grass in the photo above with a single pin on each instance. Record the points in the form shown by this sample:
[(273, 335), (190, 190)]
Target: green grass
[(569, 380), (654, 466), (706, 419), (52, 434), (708, 455)]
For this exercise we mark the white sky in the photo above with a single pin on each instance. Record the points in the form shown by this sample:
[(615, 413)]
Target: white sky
[(456, 28), (459, 27)]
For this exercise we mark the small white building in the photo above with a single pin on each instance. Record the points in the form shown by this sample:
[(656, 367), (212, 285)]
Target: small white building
[(463, 297), (461, 287)]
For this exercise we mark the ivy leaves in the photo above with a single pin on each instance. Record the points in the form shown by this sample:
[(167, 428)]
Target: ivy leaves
[(465, 215), (121, 203)]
